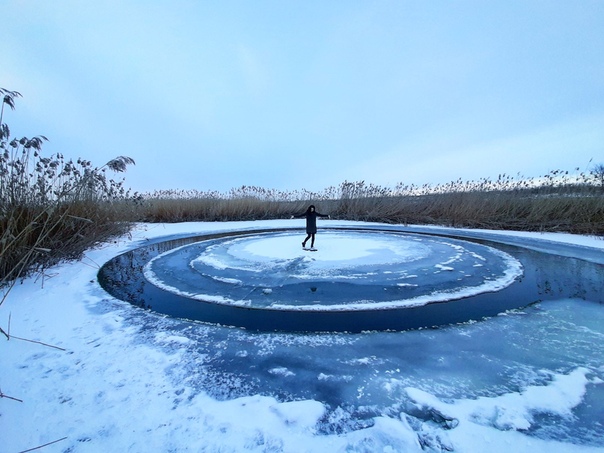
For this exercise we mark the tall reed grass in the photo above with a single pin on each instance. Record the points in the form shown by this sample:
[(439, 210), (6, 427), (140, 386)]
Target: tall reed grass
[(558, 201), (51, 208)]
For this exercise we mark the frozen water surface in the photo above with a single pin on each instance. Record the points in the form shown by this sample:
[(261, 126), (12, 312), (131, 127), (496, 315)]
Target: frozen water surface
[(357, 280), (353, 269), (523, 379), (537, 371)]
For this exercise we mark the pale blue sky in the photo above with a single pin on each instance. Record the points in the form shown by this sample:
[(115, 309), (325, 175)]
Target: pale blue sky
[(292, 95)]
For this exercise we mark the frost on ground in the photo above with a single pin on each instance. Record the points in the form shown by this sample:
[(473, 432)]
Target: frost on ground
[(131, 380)]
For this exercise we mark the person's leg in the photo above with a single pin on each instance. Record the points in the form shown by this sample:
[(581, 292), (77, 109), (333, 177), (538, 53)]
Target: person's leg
[(312, 241), (305, 240)]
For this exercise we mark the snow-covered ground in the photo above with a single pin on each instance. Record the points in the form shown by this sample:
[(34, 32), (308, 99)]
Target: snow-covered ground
[(119, 378)]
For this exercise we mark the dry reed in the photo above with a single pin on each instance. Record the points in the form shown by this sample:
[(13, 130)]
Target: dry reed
[(557, 201), (51, 208)]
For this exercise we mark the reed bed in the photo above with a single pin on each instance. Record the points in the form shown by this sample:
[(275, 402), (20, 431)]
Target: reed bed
[(243, 203), (557, 201), (51, 208)]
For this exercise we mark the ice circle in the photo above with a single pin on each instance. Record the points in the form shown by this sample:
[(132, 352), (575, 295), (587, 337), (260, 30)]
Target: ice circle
[(358, 279), (351, 271)]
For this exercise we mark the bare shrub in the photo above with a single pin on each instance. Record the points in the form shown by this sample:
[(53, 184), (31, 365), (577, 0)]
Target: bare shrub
[(598, 175)]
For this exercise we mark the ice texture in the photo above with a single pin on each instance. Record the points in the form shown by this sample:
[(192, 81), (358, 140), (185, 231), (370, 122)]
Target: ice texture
[(374, 270)]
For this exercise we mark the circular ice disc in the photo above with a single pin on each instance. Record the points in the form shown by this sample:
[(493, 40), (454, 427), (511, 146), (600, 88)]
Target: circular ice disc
[(351, 270)]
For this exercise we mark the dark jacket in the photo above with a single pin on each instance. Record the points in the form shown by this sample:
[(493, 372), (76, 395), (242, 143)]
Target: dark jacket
[(311, 219)]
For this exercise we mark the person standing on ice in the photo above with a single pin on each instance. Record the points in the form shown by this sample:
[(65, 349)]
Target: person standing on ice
[(311, 215)]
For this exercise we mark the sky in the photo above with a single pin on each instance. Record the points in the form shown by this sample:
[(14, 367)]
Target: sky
[(306, 95)]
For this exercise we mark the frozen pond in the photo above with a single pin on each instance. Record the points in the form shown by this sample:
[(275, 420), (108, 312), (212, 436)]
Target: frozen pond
[(358, 280), (354, 271), (518, 354)]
